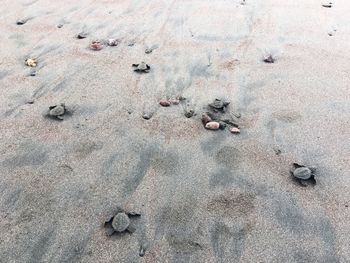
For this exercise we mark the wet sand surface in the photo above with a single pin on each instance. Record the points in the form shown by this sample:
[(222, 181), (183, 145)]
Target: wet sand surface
[(204, 196)]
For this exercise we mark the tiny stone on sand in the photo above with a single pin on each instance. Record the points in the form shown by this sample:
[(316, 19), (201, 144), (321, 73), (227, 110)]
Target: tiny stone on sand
[(96, 45), (235, 130), (165, 102), (213, 125), (30, 62), (269, 59)]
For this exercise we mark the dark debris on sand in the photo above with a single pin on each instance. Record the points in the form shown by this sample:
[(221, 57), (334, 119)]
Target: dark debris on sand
[(269, 59)]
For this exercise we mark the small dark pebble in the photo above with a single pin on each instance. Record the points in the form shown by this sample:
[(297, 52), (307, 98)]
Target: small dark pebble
[(277, 151), (21, 22), (237, 115), (222, 125), (59, 25), (269, 59), (146, 115), (82, 35), (133, 213), (230, 122), (189, 112), (148, 50), (206, 118), (329, 5), (30, 101), (32, 73), (142, 250)]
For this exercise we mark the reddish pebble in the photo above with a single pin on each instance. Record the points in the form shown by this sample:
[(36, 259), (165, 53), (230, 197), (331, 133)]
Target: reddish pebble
[(205, 118), (164, 102), (235, 130), (213, 125), (96, 45)]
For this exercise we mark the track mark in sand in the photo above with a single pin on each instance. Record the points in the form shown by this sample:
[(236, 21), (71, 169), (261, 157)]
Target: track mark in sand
[(12, 198), (167, 17), (228, 240), (228, 243), (287, 116), (229, 157), (230, 65), (74, 249), (222, 177), (29, 154), (278, 120), (163, 162), (181, 228), (40, 245), (292, 217), (229, 204), (84, 149), (3, 74)]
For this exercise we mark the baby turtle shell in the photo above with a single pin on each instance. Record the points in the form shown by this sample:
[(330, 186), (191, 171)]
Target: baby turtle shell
[(218, 105), (57, 111), (120, 222), (303, 173), (141, 68)]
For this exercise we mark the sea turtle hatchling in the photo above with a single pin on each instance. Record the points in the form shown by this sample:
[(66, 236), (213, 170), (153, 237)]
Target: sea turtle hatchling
[(121, 223), (142, 67), (57, 111), (303, 174), (219, 105)]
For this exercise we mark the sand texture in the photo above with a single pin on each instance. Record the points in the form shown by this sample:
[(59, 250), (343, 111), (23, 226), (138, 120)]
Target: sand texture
[(203, 195)]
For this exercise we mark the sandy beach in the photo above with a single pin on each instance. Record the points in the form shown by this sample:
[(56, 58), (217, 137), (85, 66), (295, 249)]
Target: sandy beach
[(202, 195)]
